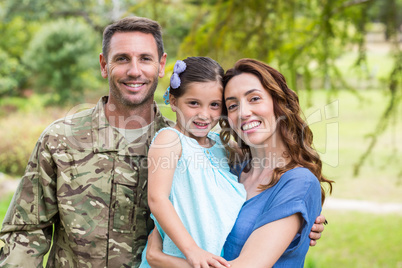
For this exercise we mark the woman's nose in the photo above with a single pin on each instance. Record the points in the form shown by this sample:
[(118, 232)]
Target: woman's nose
[(244, 111)]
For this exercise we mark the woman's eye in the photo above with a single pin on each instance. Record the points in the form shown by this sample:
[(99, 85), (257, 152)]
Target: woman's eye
[(256, 98), (232, 107)]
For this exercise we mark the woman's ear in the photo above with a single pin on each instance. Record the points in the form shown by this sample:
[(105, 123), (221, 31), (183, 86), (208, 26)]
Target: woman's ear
[(173, 102)]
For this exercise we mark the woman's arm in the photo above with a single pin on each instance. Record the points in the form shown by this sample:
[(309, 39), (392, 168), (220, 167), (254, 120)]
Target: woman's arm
[(157, 259), (267, 243), (162, 161)]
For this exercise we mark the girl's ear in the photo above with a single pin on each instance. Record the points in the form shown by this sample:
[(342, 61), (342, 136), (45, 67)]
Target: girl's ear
[(173, 102)]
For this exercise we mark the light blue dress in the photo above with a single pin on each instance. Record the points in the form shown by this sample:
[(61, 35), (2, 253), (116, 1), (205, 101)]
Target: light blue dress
[(206, 195)]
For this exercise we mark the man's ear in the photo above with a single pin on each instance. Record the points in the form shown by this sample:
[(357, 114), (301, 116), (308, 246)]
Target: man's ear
[(103, 65), (162, 64)]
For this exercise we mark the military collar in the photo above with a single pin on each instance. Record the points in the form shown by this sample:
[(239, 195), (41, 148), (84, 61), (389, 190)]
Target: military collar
[(107, 139)]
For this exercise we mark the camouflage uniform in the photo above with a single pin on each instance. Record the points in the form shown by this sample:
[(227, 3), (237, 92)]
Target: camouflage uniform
[(84, 179)]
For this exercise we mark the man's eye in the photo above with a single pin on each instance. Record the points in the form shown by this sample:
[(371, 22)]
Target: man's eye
[(121, 58)]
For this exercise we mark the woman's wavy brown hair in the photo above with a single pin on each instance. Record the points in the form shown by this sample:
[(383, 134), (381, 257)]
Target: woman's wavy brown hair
[(294, 131)]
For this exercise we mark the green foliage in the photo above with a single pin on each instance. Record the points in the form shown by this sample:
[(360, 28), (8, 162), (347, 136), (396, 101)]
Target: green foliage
[(63, 56), (12, 74)]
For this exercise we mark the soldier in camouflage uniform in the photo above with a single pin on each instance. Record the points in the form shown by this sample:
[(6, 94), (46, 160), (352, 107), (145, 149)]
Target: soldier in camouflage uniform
[(84, 192)]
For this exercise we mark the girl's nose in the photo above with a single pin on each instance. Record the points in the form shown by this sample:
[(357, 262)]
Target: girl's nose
[(203, 114)]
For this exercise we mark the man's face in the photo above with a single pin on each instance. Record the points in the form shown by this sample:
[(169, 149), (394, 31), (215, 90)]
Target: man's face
[(132, 68)]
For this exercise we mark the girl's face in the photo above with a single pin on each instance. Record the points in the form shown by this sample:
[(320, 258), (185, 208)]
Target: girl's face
[(198, 109), (250, 109)]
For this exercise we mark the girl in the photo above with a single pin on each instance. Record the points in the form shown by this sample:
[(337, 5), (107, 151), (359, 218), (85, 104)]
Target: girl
[(193, 197)]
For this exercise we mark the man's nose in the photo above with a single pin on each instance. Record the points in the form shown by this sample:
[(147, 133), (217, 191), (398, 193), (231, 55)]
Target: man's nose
[(134, 69)]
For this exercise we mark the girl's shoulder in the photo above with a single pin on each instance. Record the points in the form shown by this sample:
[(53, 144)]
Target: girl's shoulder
[(166, 136), (215, 137)]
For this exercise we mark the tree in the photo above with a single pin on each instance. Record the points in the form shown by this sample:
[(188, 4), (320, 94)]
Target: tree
[(302, 38), (63, 60)]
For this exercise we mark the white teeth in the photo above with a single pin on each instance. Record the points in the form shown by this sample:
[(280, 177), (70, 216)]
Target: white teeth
[(134, 85), (250, 125), (201, 124)]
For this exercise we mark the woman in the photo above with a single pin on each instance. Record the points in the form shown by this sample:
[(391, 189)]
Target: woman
[(281, 174)]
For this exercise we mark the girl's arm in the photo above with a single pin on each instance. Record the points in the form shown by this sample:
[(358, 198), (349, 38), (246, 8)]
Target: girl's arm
[(163, 156), (267, 243)]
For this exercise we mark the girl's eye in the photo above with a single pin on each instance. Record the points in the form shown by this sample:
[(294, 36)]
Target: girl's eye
[(193, 103), (215, 105)]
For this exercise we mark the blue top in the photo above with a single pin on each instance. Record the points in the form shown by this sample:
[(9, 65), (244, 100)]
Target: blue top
[(205, 194), (298, 190)]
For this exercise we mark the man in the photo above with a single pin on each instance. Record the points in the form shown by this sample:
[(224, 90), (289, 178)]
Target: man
[(84, 176), (84, 189)]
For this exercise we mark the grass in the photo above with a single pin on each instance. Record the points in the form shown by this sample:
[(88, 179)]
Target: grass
[(4, 202), (358, 240)]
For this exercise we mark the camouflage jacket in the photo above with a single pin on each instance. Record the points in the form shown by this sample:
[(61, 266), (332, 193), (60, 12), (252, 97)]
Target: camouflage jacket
[(84, 179)]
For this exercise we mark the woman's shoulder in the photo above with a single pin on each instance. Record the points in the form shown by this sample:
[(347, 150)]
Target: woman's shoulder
[(300, 176)]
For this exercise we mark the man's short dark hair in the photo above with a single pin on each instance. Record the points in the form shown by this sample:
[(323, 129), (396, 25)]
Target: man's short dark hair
[(133, 24)]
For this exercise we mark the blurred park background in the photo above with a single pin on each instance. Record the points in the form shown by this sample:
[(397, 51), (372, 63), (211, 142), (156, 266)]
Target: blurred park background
[(343, 57)]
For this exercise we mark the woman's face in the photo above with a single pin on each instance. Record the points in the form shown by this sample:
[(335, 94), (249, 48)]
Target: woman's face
[(250, 110)]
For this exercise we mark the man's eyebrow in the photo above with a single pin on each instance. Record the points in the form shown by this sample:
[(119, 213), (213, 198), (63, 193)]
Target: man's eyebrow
[(119, 55)]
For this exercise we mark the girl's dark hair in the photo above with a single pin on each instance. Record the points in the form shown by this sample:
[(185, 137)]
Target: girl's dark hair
[(198, 69), (294, 131)]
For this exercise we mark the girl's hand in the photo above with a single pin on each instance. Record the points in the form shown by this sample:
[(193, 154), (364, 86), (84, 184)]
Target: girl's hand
[(199, 258)]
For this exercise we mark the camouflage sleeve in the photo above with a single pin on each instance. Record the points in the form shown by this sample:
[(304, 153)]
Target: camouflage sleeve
[(28, 225)]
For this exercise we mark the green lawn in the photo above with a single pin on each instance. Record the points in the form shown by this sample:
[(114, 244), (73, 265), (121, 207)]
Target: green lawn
[(358, 240)]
